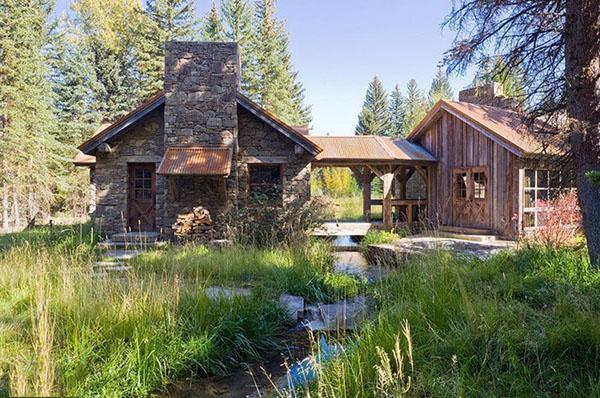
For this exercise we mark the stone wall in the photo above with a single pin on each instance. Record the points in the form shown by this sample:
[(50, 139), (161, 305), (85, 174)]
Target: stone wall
[(260, 143), (490, 94), (141, 143)]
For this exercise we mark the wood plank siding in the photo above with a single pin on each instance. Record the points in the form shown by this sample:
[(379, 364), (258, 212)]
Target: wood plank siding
[(457, 144)]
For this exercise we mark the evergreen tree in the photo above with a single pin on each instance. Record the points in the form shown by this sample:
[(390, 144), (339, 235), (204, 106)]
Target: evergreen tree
[(494, 69), (30, 154), (110, 29), (374, 118), (165, 20), (397, 112), (440, 88), (237, 15), (415, 106), (274, 84), (212, 29)]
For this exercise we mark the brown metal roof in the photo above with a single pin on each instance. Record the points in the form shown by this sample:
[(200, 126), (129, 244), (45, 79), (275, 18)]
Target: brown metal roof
[(507, 127), (196, 160), (369, 149)]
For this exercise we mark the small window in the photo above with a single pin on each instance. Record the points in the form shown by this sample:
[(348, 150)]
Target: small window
[(143, 184), (461, 185), (265, 181), (479, 185)]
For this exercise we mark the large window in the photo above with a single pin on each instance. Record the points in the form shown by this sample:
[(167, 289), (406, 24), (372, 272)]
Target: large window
[(539, 186), (265, 181)]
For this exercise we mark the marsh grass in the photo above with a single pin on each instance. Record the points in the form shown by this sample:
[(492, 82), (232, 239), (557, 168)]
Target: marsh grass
[(524, 324), (63, 332)]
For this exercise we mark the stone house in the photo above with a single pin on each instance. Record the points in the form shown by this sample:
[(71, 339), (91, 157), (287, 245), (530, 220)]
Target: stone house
[(199, 142)]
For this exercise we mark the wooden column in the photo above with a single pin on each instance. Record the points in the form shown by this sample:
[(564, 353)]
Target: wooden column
[(388, 221)]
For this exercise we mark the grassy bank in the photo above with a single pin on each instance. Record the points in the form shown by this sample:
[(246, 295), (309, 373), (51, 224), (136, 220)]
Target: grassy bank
[(65, 333), (526, 324)]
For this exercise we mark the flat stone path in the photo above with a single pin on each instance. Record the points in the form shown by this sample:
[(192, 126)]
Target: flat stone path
[(342, 229)]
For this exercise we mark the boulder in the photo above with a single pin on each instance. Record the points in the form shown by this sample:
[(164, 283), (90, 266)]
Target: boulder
[(293, 305)]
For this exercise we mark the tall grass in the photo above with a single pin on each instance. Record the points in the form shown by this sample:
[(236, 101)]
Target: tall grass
[(524, 324), (64, 332)]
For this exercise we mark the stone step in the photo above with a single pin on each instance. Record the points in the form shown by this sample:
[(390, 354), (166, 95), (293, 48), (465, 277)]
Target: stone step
[(111, 245), (104, 264), (137, 237), (117, 268), (120, 254), (469, 237)]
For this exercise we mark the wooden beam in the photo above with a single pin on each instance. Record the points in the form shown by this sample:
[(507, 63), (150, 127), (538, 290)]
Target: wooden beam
[(366, 201)]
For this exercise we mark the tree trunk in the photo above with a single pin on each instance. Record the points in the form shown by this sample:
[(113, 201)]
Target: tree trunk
[(16, 212), (582, 73), (5, 207)]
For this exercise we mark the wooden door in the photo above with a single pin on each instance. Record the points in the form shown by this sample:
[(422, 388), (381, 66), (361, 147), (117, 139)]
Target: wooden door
[(470, 197), (142, 195)]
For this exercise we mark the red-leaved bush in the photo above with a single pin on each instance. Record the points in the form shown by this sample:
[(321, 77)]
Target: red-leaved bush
[(559, 220)]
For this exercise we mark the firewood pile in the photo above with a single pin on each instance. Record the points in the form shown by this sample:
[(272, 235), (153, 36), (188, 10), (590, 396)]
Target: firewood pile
[(194, 225)]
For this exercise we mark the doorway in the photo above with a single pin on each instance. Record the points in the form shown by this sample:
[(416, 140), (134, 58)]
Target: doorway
[(470, 197), (141, 214)]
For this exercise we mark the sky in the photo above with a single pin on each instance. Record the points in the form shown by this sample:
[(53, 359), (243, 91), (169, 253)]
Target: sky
[(338, 46)]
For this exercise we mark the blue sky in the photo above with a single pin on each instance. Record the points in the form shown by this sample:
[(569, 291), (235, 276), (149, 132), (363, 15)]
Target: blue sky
[(339, 45)]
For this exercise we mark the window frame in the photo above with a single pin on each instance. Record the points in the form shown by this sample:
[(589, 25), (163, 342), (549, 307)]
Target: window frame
[(549, 191), (249, 185)]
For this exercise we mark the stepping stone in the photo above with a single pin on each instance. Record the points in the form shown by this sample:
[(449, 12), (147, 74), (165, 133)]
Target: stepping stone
[(121, 254), (103, 264), (217, 292), (293, 305), (135, 237), (219, 244)]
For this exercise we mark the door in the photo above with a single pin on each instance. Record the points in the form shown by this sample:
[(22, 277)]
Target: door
[(142, 195), (470, 197)]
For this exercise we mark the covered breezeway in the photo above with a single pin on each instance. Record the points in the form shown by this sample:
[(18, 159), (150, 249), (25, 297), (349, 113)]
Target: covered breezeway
[(393, 160)]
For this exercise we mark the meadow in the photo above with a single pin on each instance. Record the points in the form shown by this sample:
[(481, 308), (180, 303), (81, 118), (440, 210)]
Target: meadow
[(65, 332)]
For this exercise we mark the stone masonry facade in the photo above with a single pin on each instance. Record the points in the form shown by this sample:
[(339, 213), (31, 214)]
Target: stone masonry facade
[(201, 84)]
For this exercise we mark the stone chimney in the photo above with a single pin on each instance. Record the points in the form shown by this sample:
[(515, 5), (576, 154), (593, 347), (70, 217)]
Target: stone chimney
[(201, 84), (490, 94)]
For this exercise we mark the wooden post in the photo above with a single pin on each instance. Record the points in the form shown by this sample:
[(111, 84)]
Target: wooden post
[(388, 221), (366, 183)]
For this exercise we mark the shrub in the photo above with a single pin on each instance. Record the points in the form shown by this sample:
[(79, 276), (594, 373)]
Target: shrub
[(375, 237), (559, 220)]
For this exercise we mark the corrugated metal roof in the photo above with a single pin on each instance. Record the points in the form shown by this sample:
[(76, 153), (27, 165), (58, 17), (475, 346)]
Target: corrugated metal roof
[(508, 126), (367, 148), (196, 160)]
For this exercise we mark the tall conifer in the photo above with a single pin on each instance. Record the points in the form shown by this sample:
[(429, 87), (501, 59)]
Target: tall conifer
[(415, 106), (374, 118), (212, 29), (397, 112), (238, 20), (440, 88)]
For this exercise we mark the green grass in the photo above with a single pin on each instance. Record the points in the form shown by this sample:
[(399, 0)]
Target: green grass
[(524, 324), (63, 332), (58, 236), (350, 208), (376, 236)]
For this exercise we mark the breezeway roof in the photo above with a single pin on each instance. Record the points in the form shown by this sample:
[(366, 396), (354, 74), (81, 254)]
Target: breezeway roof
[(362, 149)]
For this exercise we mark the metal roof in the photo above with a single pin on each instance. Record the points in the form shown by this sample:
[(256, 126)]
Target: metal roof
[(196, 161), (507, 127), (369, 149)]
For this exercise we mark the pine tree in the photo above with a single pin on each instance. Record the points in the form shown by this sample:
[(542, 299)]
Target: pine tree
[(110, 30), (274, 84), (494, 69), (212, 29), (237, 16), (374, 118), (397, 112), (415, 106), (440, 88), (30, 154), (166, 20)]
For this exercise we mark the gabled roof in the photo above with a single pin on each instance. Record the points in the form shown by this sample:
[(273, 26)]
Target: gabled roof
[(158, 100), (196, 160), (504, 126), (273, 121), (117, 127), (369, 149)]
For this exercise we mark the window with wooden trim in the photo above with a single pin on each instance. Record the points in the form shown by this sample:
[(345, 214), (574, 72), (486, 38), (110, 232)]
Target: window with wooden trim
[(540, 185), (265, 180), (143, 184), (479, 185)]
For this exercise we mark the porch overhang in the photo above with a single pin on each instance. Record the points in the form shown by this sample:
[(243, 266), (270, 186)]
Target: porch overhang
[(195, 160)]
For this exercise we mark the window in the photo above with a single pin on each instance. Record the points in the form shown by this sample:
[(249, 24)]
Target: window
[(143, 184), (265, 180), (461, 185), (479, 185), (540, 185)]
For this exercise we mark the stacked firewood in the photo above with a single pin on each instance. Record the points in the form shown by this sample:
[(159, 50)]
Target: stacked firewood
[(194, 225)]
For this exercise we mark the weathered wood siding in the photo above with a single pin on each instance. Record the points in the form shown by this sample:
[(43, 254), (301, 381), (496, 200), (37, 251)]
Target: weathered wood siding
[(456, 144)]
